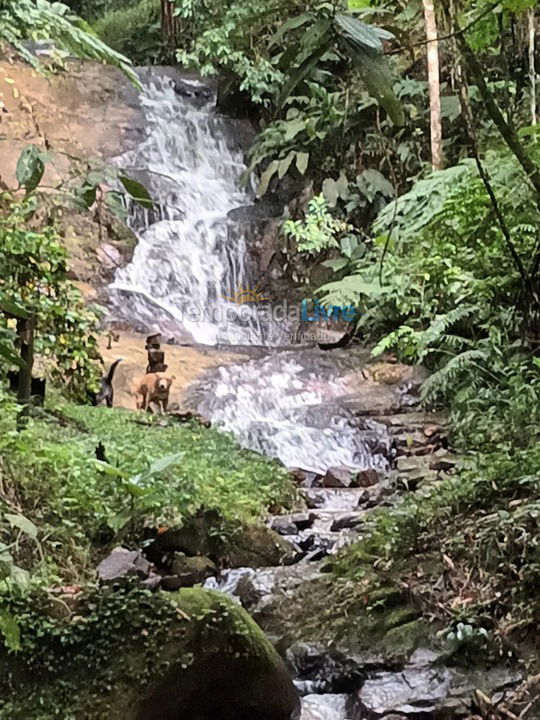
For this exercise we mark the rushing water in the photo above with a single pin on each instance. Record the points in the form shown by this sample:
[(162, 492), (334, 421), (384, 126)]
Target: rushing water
[(190, 257), (285, 407)]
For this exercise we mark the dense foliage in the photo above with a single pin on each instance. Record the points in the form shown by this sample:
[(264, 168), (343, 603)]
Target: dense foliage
[(34, 277)]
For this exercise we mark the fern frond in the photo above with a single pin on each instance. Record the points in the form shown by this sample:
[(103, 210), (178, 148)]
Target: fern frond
[(445, 380)]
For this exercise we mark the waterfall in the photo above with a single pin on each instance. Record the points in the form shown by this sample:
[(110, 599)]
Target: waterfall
[(189, 260)]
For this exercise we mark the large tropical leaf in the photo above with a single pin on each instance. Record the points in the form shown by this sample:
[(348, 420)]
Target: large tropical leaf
[(39, 19), (359, 34), (377, 77)]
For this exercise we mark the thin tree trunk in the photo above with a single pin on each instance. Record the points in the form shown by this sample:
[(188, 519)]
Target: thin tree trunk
[(433, 84), (25, 331), (532, 68)]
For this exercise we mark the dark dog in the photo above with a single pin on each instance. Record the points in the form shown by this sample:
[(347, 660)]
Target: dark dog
[(105, 394)]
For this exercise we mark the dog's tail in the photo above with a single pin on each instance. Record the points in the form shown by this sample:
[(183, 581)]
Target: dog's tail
[(112, 370)]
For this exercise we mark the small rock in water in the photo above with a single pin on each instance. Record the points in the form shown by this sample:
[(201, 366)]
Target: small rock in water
[(317, 554), (314, 502), (346, 522), (367, 478), (339, 477), (284, 526), (292, 524)]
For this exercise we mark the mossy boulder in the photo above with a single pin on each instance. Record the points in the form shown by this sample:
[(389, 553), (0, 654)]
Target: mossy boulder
[(130, 654), (235, 673)]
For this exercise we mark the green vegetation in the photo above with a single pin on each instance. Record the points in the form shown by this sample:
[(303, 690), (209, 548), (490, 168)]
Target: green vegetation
[(77, 506), (416, 196), (42, 20), (101, 661), (33, 271), (132, 29)]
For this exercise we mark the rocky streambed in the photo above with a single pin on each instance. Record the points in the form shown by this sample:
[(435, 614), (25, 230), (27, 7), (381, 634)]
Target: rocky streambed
[(373, 447)]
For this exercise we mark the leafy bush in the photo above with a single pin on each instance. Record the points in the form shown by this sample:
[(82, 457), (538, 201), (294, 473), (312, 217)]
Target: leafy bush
[(132, 29), (33, 271)]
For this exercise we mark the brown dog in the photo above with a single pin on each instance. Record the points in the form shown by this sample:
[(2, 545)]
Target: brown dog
[(153, 390)]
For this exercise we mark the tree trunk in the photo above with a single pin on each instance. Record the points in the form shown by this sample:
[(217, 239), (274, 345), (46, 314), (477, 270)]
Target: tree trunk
[(532, 68), (25, 331), (433, 84)]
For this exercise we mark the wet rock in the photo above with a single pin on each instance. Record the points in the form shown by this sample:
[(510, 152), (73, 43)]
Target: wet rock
[(367, 478), (192, 570), (108, 256), (316, 555), (314, 501), (443, 460), (412, 465), (122, 564), (319, 669), (259, 546), (346, 522), (284, 526), (303, 521), (414, 692), (199, 535), (292, 524), (339, 477), (172, 583), (423, 690)]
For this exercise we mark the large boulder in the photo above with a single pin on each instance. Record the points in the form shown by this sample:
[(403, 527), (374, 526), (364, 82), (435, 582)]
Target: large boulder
[(234, 674), (131, 654)]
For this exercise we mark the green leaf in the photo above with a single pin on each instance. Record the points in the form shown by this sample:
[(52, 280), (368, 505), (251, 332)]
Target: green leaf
[(360, 34), (285, 164), (336, 264), (13, 308), (267, 175), (22, 523), (330, 191), (110, 470), (299, 74), (164, 463), (291, 24), (137, 191), (8, 352), (9, 627), (30, 168), (378, 79), (302, 162)]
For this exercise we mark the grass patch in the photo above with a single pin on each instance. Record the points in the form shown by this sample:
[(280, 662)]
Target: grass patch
[(76, 505)]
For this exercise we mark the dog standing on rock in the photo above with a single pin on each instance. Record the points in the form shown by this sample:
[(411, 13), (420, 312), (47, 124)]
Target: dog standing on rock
[(153, 390)]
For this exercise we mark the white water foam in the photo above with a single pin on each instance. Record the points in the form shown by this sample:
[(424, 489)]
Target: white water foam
[(277, 407)]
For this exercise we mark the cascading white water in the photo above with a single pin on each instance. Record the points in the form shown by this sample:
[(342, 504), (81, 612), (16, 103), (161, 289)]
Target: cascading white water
[(185, 265), (282, 406)]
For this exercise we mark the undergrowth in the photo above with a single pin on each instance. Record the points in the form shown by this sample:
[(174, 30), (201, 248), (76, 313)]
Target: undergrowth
[(61, 506)]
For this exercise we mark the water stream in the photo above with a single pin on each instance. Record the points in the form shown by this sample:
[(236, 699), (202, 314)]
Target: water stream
[(188, 263)]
